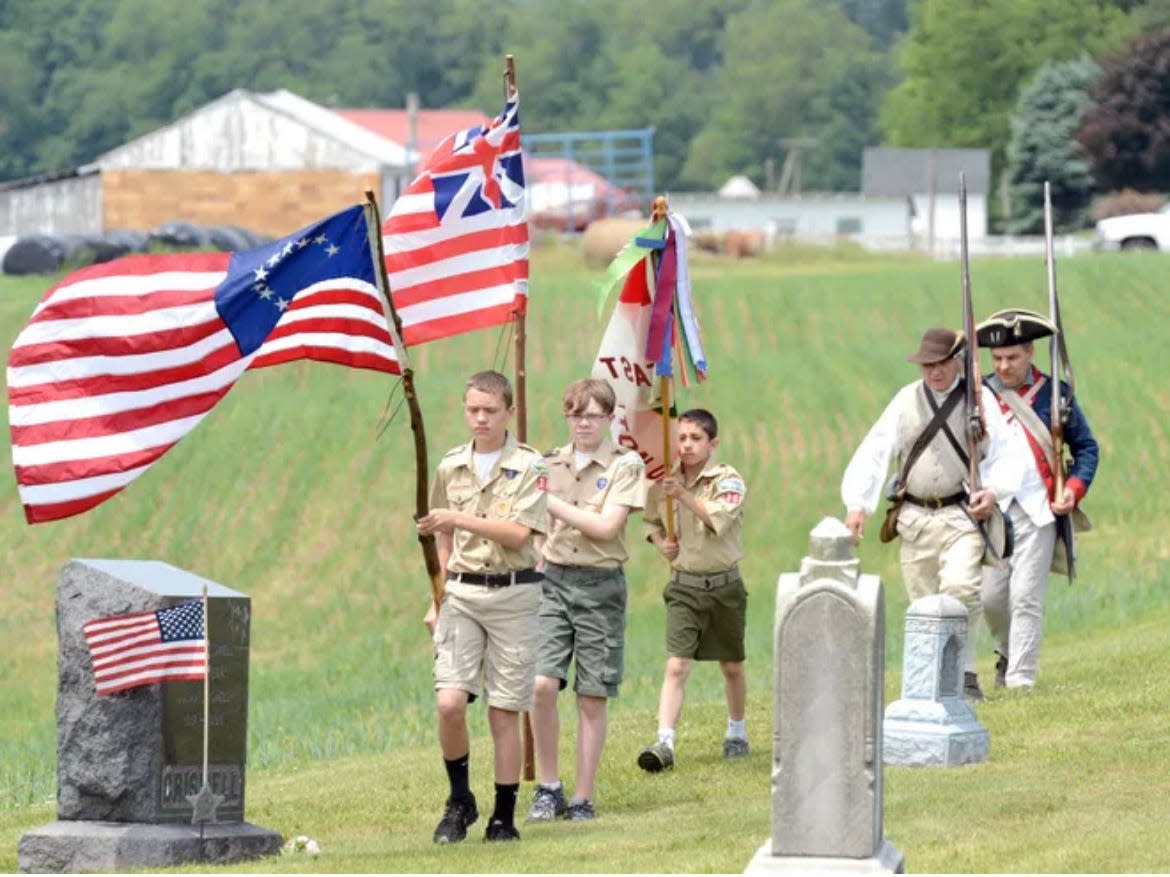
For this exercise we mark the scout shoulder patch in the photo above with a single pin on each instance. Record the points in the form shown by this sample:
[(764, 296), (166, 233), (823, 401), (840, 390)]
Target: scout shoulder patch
[(541, 470), (731, 489)]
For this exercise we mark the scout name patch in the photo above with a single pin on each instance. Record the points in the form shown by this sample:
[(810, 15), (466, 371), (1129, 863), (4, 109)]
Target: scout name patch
[(731, 490)]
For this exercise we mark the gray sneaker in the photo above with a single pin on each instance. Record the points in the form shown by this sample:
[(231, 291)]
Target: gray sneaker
[(735, 747), (581, 810), (656, 757), (547, 805)]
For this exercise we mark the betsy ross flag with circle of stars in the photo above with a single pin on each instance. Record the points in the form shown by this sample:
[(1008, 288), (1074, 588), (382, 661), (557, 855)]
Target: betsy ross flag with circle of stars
[(146, 647), (120, 360)]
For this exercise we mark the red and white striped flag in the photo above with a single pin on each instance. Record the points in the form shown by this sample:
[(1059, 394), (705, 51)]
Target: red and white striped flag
[(146, 647), (119, 361), (456, 241)]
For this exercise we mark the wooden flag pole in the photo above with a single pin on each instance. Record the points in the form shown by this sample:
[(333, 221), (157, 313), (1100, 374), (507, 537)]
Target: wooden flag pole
[(521, 387), (428, 544), (521, 391), (664, 388)]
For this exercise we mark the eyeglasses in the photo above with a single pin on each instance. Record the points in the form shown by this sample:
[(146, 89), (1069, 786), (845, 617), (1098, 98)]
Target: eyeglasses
[(587, 418)]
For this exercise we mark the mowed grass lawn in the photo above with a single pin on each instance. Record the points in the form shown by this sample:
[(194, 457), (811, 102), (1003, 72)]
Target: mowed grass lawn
[(285, 493)]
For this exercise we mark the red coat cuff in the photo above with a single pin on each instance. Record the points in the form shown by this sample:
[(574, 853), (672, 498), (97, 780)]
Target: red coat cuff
[(1077, 487)]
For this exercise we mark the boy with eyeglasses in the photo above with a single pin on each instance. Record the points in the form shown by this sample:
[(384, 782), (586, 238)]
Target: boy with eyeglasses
[(592, 488)]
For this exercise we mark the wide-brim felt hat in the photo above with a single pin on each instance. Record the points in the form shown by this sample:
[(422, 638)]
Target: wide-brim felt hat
[(937, 344), (1013, 326)]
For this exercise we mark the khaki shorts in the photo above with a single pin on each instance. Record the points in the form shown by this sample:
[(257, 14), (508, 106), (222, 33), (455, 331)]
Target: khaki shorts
[(488, 634), (583, 615), (706, 624)]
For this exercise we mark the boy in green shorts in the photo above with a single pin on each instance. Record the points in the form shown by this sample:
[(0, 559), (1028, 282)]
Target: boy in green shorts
[(706, 603), (593, 485)]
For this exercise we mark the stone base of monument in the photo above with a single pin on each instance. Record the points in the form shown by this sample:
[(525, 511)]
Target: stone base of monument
[(887, 860), (73, 847), (944, 733)]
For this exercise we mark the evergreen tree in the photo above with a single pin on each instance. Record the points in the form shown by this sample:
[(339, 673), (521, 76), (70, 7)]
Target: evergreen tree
[(1043, 147)]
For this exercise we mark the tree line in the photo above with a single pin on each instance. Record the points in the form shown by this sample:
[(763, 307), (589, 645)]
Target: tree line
[(1060, 87)]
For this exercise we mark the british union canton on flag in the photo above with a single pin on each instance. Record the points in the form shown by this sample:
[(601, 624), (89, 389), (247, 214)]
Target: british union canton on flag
[(456, 241), (146, 647)]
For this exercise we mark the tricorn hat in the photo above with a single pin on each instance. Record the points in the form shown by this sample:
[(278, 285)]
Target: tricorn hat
[(937, 344), (1013, 326)]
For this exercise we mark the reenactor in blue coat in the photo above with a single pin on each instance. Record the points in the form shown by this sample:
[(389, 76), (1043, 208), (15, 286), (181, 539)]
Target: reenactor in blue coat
[(1043, 519)]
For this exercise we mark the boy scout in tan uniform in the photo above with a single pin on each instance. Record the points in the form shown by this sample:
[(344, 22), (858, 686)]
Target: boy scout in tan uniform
[(593, 486), (706, 602), (488, 503)]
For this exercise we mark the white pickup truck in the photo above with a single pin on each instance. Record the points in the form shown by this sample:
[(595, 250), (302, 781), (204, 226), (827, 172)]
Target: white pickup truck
[(1135, 231)]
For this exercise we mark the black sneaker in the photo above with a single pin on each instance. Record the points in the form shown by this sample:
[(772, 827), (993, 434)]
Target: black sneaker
[(458, 813), (971, 689), (735, 747), (547, 805), (498, 830), (579, 811), (1001, 670), (656, 757)]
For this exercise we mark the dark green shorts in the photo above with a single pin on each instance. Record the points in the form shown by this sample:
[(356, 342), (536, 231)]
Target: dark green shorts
[(706, 624), (583, 617)]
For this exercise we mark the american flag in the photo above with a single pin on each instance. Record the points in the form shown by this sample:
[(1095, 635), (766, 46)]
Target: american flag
[(119, 361), (146, 647), (456, 241)]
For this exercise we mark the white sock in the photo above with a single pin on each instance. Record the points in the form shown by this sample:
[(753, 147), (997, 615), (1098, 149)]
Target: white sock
[(737, 729), (552, 787), (666, 735)]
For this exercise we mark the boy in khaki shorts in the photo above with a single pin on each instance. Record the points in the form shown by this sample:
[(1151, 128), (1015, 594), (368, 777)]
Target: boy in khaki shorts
[(593, 486), (488, 503), (706, 603)]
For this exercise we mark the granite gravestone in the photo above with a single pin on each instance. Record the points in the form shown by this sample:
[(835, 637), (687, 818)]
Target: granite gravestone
[(127, 762), (827, 707), (931, 723)]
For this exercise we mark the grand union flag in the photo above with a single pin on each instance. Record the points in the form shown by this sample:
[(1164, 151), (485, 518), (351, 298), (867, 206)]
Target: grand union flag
[(456, 241)]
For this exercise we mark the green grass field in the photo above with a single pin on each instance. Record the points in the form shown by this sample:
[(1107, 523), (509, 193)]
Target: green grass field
[(285, 494)]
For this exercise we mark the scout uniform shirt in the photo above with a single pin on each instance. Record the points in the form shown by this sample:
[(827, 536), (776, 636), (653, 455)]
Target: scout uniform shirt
[(613, 476), (720, 490), (514, 491)]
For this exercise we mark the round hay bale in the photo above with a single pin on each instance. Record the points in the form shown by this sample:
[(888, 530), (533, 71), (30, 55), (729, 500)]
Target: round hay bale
[(34, 254), (133, 241), (230, 238), (604, 238), (743, 243), (179, 234)]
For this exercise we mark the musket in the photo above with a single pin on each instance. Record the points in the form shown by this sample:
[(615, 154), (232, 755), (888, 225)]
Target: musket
[(974, 400), (1061, 402), (429, 546)]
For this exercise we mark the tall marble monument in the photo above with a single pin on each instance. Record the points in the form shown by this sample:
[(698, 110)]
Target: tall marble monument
[(827, 708)]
